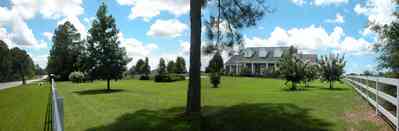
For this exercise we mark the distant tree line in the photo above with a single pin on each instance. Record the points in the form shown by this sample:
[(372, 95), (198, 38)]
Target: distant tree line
[(98, 57), (16, 64)]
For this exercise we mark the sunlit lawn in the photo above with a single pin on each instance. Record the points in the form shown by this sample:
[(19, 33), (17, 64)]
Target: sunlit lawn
[(240, 104)]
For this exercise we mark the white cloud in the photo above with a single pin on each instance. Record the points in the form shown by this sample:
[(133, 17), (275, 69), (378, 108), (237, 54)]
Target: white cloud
[(298, 2), (48, 35), (15, 18), (338, 19), (41, 60), (312, 39), (167, 28), (378, 11), (354, 46), (148, 9), (329, 2), (136, 49), (54, 9), (185, 48), (319, 2)]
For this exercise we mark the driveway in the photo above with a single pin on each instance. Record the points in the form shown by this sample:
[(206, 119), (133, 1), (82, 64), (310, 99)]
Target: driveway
[(6, 85)]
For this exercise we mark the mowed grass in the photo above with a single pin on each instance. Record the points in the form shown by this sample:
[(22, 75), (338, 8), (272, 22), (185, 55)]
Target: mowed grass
[(24, 108), (240, 104)]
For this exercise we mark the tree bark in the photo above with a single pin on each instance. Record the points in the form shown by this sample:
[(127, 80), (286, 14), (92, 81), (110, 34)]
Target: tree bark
[(194, 86), (108, 85), (331, 84)]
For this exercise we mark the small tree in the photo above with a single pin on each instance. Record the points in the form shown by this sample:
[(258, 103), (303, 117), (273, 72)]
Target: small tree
[(180, 65), (171, 67), (332, 68), (291, 68), (215, 67), (109, 58), (311, 73)]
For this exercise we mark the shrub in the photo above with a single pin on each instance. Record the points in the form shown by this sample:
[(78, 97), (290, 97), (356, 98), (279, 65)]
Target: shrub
[(144, 77), (215, 79), (76, 77), (169, 78)]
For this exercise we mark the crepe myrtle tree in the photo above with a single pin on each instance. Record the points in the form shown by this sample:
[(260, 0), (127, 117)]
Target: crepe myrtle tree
[(108, 58), (332, 68), (292, 68), (235, 15), (311, 71)]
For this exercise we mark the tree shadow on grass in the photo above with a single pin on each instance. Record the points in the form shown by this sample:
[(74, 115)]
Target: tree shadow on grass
[(334, 89), (242, 117), (98, 91)]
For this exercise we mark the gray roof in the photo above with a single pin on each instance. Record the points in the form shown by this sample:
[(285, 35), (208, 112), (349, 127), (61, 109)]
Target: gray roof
[(264, 55)]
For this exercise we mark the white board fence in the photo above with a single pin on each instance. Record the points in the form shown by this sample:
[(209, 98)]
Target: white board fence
[(374, 90)]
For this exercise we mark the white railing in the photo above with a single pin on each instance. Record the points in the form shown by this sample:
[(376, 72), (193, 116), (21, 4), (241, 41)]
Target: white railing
[(58, 108), (371, 88)]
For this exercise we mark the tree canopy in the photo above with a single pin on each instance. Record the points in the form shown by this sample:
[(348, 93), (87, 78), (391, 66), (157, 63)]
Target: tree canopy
[(66, 52), (15, 64)]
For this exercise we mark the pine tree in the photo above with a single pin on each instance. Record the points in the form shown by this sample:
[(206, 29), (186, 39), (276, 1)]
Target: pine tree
[(161, 67), (171, 67), (180, 65), (108, 59)]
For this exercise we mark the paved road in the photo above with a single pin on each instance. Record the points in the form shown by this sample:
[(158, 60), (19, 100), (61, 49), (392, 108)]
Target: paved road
[(6, 85)]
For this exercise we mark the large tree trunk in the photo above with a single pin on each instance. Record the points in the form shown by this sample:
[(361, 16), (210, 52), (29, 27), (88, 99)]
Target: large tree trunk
[(108, 85), (194, 86)]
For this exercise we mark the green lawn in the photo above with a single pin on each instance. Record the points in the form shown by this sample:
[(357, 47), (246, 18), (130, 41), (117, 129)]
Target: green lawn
[(240, 104)]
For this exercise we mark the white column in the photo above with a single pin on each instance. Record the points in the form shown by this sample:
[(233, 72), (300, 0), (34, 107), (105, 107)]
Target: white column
[(236, 68), (252, 68)]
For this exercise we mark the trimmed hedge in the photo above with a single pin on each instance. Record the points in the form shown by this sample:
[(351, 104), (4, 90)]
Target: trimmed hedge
[(169, 78)]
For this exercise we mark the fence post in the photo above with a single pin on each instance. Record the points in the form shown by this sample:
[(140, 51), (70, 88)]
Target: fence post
[(376, 95), (397, 107), (60, 101)]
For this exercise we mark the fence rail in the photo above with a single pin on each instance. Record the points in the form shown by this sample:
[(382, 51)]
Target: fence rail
[(376, 91), (58, 108)]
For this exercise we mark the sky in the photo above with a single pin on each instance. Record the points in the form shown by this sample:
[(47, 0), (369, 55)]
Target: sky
[(160, 28)]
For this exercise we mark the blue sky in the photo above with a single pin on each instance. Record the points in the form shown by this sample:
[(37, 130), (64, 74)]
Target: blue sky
[(160, 28)]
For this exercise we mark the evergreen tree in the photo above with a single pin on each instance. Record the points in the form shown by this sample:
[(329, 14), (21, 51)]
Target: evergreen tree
[(216, 63), (66, 51), (171, 67), (161, 67), (180, 65), (22, 64), (146, 68), (140, 66), (109, 59), (332, 68)]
